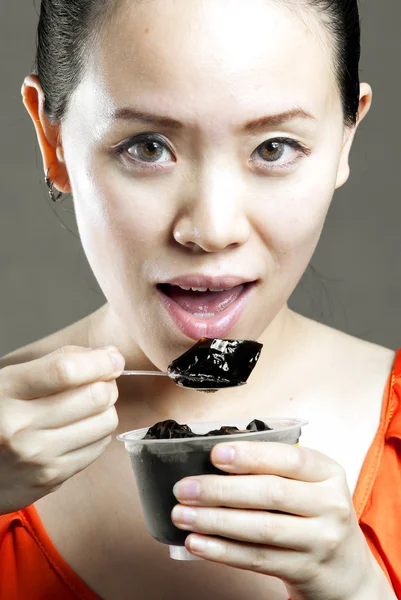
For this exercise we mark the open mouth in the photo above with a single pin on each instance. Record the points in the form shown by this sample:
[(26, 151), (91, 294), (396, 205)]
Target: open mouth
[(203, 303), (204, 312)]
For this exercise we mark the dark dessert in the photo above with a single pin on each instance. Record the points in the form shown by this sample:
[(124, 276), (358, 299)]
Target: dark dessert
[(158, 467), (156, 474), (212, 364), (167, 430)]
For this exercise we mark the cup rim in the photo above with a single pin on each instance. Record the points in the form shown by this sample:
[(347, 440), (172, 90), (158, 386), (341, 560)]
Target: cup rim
[(136, 435)]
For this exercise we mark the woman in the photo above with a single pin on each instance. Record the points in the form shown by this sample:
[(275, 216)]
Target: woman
[(202, 143)]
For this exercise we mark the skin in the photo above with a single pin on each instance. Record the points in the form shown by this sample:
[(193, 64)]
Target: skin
[(216, 207)]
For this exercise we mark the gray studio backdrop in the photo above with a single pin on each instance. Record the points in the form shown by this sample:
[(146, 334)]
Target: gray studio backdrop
[(355, 280)]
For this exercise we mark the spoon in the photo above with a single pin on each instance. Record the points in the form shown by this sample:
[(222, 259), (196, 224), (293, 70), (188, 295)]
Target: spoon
[(211, 364), (159, 373), (179, 380)]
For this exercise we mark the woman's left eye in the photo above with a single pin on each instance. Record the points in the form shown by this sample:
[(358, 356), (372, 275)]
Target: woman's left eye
[(279, 152)]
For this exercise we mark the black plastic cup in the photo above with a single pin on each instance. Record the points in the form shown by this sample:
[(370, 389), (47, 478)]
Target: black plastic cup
[(159, 464)]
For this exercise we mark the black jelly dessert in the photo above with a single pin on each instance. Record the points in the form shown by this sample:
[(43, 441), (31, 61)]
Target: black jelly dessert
[(158, 466), (212, 364), (167, 430)]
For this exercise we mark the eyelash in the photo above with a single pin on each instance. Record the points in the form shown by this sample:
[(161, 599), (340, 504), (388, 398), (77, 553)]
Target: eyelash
[(274, 165), (122, 149)]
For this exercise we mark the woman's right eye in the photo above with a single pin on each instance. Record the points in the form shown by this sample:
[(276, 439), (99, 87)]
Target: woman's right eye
[(149, 149)]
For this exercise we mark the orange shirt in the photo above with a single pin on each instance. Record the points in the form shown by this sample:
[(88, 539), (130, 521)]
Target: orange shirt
[(32, 569)]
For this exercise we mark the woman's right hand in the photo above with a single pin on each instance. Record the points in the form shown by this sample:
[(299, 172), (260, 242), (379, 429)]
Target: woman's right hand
[(57, 415)]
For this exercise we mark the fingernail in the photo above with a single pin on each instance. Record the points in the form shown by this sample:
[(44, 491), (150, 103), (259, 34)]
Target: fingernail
[(197, 544), (184, 515), (118, 361), (187, 490), (223, 455)]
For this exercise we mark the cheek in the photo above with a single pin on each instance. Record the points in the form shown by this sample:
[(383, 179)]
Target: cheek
[(291, 224), (117, 217), (297, 208)]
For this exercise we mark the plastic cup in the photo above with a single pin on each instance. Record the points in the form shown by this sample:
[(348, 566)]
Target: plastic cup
[(159, 464)]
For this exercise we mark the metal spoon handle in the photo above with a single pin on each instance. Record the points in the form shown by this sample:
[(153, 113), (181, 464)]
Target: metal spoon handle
[(157, 373)]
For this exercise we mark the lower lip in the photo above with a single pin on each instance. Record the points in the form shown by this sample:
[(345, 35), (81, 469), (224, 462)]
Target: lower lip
[(213, 327)]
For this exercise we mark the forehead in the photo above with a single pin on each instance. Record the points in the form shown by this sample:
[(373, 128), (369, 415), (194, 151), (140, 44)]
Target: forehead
[(210, 57)]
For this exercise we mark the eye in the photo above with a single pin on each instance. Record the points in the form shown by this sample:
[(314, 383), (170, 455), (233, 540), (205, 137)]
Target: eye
[(146, 148), (279, 152)]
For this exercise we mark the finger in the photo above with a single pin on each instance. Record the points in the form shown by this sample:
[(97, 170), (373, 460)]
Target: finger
[(71, 406), (277, 562), (64, 369), (294, 462), (43, 446), (87, 431), (77, 460), (260, 492), (258, 527)]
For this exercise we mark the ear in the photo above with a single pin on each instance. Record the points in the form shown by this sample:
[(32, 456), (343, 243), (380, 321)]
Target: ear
[(48, 134), (365, 102)]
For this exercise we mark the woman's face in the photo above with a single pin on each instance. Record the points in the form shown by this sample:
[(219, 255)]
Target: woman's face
[(203, 148)]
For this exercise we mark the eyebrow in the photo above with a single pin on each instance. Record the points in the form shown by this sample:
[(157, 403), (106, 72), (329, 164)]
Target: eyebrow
[(131, 114), (278, 119)]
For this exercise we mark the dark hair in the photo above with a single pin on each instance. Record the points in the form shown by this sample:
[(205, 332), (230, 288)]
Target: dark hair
[(68, 29), (342, 20)]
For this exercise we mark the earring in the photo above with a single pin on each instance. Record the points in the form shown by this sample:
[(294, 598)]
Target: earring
[(50, 185)]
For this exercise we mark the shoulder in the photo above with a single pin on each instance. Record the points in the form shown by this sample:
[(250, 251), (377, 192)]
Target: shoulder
[(348, 385), (342, 353), (351, 372)]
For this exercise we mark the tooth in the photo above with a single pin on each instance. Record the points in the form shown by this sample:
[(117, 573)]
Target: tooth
[(216, 289), (199, 289), (184, 288)]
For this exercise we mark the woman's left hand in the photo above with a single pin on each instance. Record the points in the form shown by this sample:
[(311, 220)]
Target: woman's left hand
[(314, 544)]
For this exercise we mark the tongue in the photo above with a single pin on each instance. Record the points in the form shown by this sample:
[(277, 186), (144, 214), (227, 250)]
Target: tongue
[(202, 303)]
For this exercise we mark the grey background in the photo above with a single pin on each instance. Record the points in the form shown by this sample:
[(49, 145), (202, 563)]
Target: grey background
[(355, 280)]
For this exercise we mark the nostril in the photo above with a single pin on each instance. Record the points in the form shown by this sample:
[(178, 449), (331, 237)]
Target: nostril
[(190, 245), (189, 241), (212, 234)]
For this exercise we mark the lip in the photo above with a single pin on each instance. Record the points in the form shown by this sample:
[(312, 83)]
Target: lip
[(214, 327), (205, 281)]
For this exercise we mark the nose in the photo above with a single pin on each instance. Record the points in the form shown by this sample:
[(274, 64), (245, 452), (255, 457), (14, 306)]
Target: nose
[(213, 217)]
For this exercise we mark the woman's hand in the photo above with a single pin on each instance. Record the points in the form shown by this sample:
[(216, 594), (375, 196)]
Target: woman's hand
[(314, 544), (56, 417)]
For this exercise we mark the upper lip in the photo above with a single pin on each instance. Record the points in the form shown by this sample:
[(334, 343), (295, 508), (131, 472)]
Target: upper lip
[(198, 280)]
